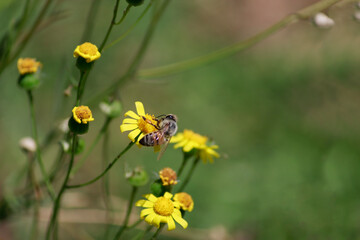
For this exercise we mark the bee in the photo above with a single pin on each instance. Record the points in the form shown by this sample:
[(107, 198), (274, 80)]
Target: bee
[(166, 128)]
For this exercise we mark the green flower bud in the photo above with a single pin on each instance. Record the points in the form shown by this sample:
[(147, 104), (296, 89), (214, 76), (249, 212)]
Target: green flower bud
[(137, 177), (135, 2), (78, 128), (112, 110), (82, 65), (157, 188), (29, 81)]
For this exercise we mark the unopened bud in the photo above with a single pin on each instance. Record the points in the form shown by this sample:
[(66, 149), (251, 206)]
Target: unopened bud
[(322, 21), (27, 144)]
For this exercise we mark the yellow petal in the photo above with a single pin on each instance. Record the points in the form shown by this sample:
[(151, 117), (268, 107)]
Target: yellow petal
[(180, 220), (140, 203), (146, 212), (171, 223), (188, 147), (156, 221), (168, 195), (149, 219), (140, 108), (131, 114), (151, 198), (132, 135), (129, 120), (127, 127)]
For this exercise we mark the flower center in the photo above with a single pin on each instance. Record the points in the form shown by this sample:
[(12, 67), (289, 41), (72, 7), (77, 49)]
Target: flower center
[(185, 199), (88, 48), (148, 124), (164, 206), (188, 134), (28, 65), (168, 176)]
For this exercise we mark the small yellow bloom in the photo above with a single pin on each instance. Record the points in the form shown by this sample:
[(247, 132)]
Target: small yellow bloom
[(189, 140), (88, 51), (168, 176), (138, 123), (161, 210), (185, 200), (28, 65), (82, 114)]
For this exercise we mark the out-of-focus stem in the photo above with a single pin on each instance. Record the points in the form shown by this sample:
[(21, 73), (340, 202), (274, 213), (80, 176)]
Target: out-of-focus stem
[(187, 179), (38, 151), (237, 47), (90, 20)]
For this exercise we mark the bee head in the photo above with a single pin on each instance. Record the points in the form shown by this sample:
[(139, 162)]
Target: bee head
[(171, 117)]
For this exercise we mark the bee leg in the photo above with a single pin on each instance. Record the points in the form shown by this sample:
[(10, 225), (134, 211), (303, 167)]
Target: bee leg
[(149, 122)]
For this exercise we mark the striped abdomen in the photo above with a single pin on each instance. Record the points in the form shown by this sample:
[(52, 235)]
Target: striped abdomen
[(153, 139)]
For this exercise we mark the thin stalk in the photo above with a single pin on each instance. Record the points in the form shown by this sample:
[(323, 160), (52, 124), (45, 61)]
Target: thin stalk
[(81, 162), (130, 29), (184, 162), (139, 55), (187, 179), (113, 23), (49, 187), (35, 223), (108, 167), (135, 224), (81, 86), (106, 184), (57, 203), (237, 47), (157, 232), (126, 11), (128, 212)]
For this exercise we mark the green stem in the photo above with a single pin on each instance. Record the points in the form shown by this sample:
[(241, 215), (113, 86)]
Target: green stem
[(49, 187), (157, 232), (81, 86), (237, 47), (91, 148), (113, 23), (106, 184), (143, 233), (184, 162), (130, 29), (35, 187), (57, 203), (187, 179), (126, 11), (139, 55), (128, 212), (108, 167), (90, 20)]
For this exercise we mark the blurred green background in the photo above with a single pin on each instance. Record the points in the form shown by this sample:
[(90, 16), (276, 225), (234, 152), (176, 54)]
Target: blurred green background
[(285, 114)]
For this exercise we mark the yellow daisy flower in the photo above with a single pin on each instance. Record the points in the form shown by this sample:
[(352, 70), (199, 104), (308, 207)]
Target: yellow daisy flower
[(168, 176), (185, 200), (161, 210), (189, 140), (28, 65), (138, 123), (88, 51), (82, 114)]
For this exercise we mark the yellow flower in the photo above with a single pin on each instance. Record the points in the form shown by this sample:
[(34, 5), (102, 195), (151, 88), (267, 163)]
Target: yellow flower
[(168, 176), (161, 210), (28, 65), (82, 114), (88, 51), (189, 140), (185, 200), (138, 123)]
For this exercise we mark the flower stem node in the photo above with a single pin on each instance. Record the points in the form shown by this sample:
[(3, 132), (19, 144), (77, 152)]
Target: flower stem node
[(78, 123), (112, 110), (135, 2), (86, 53), (29, 81), (137, 177)]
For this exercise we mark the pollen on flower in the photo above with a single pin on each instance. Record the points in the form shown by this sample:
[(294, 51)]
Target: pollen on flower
[(88, 48), (88, 51), (82, 114), (168, 176), (164, 206), (28, 65), (147, 123)]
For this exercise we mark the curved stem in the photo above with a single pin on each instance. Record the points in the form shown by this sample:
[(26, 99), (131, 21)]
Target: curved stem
[(106, 186), (128, 212), (57, 203), (184, 162), (187, 179), (157, 232), (126, 11), (91, 148), (49, 187), (237, 47), (107, 169), (130, 29)]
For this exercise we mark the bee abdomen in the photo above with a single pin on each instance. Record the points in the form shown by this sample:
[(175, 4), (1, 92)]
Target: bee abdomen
[(152, 139)]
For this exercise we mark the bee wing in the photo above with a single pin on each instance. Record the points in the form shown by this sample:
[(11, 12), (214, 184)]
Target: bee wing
[(163, 148)]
